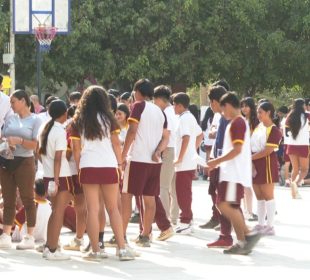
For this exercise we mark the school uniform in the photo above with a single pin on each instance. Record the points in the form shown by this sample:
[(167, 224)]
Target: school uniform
[(56, 141), (300, 145), (267, 169), (285, 140), (236, 173), (98, 163), (185, 170), (142, 174)]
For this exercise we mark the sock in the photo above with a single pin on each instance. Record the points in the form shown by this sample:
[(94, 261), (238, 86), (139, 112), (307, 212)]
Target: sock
[(241, 243), (261, 211), (271, 212), (101, 237)]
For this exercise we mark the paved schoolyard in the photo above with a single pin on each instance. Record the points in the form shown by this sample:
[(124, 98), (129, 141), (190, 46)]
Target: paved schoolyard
[(186, 257)]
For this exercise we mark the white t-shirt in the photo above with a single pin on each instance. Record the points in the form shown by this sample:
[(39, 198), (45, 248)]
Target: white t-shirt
[(214, 127), (302, 138), (283, 130), (5, 109), (239, 169), (207, 141), (56, 141), (151, 123), (172, 124), (97, 153), (188, 126)]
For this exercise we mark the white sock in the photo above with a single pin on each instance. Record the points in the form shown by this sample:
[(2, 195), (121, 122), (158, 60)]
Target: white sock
[(261, 211), (241, 243), (271, 212)]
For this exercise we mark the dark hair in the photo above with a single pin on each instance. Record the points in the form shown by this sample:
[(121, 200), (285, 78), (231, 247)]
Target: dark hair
[(262, 101), (39, 187), (50, 100), (181, 98), (283, 110), (71, 111), (209, 114), (94, 105), (193, 108), (268, 107), (1, 79), (216, 93), (162, 92), (294, 117), (32, 110), (21, 94), (114, 92), (307, 100), (113, 102), (230, 98), (46, 96), (223, 83), (249, 102), (56, 109), (122, 107), (126, 95), (76, 95), (145, 87)]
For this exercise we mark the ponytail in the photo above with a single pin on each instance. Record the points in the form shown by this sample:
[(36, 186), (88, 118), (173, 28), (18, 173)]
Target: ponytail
[(44, 136)]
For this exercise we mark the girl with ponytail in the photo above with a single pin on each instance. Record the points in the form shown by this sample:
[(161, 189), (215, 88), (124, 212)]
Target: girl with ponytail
[(297, 130), (56, 170)]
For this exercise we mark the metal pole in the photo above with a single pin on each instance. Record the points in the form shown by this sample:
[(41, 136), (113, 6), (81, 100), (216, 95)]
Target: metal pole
[(39, 66), (12, 48)]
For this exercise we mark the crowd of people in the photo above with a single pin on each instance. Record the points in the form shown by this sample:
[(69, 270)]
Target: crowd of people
[(75, 163)]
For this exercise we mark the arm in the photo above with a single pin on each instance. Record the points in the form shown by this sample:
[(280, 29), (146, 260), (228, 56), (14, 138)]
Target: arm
[(28, 144), (130, 137), (117, 148), (76, 145), (185, 141), (162, 145), (57, 165), (199, 139), (266, 152)]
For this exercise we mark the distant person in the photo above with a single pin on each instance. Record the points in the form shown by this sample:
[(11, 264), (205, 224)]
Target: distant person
[(5, 106), (74, 98), (126, 99), (36, 104), (116, 93)]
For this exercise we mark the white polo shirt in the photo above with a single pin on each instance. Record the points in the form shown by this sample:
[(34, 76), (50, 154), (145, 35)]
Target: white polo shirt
[(302, 138), (187, 126), (56, 141), (172, 124), (5, 109)]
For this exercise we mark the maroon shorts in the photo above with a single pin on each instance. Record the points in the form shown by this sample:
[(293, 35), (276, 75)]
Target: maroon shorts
[(301, 151), (142, 178), (267, 169), (214, 180), (65, 184), (285, 157), (70, 218), (77, 188), (230, 192), (99, 175)]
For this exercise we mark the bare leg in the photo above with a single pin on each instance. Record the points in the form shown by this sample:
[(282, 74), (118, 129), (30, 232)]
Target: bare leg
[(126, 208), (80, 210), (149, 214)]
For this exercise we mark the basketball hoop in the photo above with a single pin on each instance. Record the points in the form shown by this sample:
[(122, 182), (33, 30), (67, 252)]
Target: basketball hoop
[(45, 35)]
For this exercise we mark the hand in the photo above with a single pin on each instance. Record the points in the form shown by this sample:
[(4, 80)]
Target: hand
[(156, 156), (13, 141), (211, 164), (178, 161), (212, 135)]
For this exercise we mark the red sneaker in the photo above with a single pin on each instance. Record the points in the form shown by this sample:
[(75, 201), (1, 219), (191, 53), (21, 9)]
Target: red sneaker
[(221, 243)]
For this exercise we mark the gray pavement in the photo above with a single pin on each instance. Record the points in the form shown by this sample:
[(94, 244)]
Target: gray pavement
[(186, 257)]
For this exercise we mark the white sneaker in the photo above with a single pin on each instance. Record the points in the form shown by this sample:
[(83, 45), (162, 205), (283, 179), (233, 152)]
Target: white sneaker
[(26, 243), (95, 256), (56, 256), (183, 228), (128, 248), (74, 245), (5, 241)]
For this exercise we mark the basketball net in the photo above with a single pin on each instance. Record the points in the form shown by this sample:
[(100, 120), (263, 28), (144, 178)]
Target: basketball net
[(45, 35)]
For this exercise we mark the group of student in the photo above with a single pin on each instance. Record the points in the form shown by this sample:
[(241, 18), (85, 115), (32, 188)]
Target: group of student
[(102, 152)]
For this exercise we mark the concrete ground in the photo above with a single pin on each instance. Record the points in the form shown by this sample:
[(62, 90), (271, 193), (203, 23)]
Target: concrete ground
[(186, 257)]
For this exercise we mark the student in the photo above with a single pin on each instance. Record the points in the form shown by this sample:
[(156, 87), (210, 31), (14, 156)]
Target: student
[(235, 173), (188, 138), (126, 99), (167, 174), (74, 98), (205, 126), (248, 110), (97, 152), (21, 130), (146, 139), (44, 211), (56, 171), (122, 115), (265, 141)]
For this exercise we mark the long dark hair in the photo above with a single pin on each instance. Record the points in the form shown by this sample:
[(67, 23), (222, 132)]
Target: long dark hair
[(294, 117), (249, 102), (268, 107), (56, 109), (207, 117), (94, 103), (21, 94)]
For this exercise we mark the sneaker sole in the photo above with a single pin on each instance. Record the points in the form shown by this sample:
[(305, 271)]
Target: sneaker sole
[(167, 236), (71, 248), (242, 253), (6, 247), (219, 247), (25, 248)]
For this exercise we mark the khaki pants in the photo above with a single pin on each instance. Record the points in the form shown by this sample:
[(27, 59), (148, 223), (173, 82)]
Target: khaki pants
[(167, 186), (22, 178)]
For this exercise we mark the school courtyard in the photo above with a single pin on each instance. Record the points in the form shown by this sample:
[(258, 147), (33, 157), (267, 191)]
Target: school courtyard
[(284, 256)]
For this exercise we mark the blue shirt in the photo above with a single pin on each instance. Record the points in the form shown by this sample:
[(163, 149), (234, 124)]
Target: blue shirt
[(219, 140)]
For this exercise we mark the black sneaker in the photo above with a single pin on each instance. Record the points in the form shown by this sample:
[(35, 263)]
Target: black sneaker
[(135, 219), (85, 249), (237, 250), (251, 240), (211, 224), (111, 243), (143, 241)]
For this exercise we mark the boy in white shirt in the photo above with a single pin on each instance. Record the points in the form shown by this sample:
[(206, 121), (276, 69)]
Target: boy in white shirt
[(188, 138)]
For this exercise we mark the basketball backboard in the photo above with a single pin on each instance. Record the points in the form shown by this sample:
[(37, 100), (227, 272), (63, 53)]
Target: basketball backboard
[(29, 14)]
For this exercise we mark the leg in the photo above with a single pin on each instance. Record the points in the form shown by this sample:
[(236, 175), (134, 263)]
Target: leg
[(268, 193), (295, 167), (261, 205), (304, 167), (160, 215), (126, 208), (174, 206), (149, 214), (55, 222), (248, 200), (80, 210)]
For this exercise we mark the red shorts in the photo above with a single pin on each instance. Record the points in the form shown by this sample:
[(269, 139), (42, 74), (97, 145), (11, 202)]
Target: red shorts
[(229, 192), (301, 151), (77, 188), (99, 175), (267, 169), (285, 157), (65, 184), (142, 178)]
